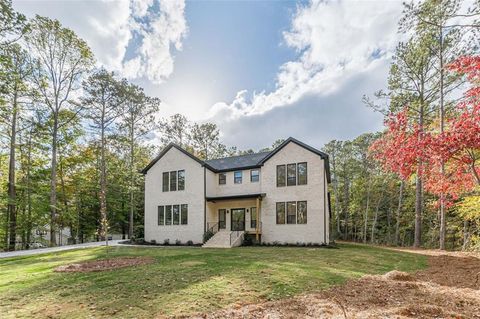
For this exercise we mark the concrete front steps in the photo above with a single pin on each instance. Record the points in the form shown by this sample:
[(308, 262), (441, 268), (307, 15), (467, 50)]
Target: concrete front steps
[(222, 239)]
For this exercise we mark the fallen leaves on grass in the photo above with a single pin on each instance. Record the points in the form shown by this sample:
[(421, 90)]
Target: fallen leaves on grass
[(105, 264)]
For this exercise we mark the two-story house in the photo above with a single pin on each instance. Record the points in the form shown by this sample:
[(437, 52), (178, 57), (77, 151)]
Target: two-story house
[(279, 196)]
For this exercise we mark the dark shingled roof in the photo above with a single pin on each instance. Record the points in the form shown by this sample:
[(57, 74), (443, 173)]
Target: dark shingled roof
[(237, 162), (242, 161)]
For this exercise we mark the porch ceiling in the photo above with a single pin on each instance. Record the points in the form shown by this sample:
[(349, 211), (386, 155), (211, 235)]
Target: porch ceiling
[(231, 197)]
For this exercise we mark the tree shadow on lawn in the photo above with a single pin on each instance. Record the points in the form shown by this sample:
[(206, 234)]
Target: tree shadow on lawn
[(190, 280)]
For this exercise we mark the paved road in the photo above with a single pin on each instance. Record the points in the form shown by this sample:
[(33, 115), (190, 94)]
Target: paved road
[(54, 249)]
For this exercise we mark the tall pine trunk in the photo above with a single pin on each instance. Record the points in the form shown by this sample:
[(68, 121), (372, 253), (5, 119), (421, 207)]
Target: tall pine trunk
[(12, 207), (103, 186), (132, 182), (443, 225)]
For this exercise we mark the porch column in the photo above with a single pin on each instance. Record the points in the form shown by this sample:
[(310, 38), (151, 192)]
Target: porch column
[(257, 228)]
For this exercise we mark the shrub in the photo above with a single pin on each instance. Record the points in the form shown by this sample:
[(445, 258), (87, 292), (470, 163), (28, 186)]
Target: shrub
[(153, 242), (178, 242), (189, 243), (247, 241), (166, 242)]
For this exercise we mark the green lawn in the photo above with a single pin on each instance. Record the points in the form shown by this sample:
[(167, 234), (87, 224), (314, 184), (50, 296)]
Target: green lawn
[(182, 280)]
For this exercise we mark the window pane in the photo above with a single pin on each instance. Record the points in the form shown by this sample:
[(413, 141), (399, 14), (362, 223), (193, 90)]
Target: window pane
[(291, 174), (291, 212), (181, 180), (184, 214), (161, 215), (302, 173), (253, 217), (222, 179), (280, 175), (168, 215), (302, 212), (221, 218), (281, 213), (237, 177), (254, 175), (173, 181), (165, 182), (176, 214)]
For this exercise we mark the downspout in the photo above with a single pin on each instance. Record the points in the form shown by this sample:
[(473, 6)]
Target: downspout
[(325, 209), (204, 199)]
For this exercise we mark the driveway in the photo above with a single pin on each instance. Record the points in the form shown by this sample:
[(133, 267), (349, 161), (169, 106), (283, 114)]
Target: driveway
[(59, 248)]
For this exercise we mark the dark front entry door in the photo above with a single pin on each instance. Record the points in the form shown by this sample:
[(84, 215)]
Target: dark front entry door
[(238, 219)]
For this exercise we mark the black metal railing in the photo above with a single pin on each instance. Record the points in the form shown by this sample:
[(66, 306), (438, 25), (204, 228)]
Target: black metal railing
[(212, 227)]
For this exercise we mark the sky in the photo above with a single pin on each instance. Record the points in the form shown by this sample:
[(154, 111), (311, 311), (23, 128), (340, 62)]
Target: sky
[(260, 70)]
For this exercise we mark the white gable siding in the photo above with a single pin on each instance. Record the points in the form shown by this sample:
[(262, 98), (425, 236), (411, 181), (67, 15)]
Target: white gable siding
[(193, 195), (313, 193)]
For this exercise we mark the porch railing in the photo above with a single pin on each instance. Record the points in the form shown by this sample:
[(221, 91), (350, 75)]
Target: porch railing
[(234, 235), (213, 227)]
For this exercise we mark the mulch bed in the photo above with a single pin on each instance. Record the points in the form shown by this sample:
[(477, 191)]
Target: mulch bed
[(105, 264), (448, 288)]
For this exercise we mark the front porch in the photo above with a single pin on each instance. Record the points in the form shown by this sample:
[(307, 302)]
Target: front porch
[(235, 213)]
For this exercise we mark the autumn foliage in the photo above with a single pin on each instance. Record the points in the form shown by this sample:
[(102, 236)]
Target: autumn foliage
[(404, 145)]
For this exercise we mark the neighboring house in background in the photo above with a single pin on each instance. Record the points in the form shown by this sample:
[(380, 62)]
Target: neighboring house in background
[(279, 196)]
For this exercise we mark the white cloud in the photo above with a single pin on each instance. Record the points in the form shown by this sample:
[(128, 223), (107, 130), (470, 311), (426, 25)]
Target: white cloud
[(336, 40), (134, 38)]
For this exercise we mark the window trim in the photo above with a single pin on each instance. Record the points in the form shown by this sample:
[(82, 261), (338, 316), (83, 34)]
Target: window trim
[(182, 206), (251, 175), (162, 213), (306, 212), (288, 178), (256, 217), (169, 215), (220, 179), (284, 213), (175, 175), (178, 180), (235, 178), (285, 175), (166, 186), (306, 173)]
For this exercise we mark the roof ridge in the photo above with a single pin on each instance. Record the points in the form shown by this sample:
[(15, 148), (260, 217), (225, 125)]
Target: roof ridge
[(220, 158)]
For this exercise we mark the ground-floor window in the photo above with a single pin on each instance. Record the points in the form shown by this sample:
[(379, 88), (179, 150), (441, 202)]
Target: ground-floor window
[(161, 215), (291, 212), (222, 218), (184, 214), (281, 213), (173, 214), (253, 217)]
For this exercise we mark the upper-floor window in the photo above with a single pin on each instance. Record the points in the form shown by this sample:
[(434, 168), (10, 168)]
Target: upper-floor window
[(292, 174), (254, 175), (181, 180), (165, 181), (222, 179), (302, 173), (281, 175), (174, 180), (237, 177)]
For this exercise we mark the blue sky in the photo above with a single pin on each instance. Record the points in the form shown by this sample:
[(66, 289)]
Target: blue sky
[(261, 70)]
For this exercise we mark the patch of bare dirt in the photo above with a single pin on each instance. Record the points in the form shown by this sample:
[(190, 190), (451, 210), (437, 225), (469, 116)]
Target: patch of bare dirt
[(448, 288), (105, 264)]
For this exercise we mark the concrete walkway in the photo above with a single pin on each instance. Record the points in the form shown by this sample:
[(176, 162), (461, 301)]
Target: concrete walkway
[(59, 248)]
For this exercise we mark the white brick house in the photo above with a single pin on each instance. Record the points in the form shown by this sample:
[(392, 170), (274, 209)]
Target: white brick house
[(276, 197)]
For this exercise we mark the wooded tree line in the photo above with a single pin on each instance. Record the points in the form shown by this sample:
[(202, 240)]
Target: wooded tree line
[(418, 182), (73, 137)]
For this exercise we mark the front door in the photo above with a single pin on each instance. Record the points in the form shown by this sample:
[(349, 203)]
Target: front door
[(238, 219)]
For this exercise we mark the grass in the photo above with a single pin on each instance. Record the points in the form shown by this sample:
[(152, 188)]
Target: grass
[(182, 280)]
